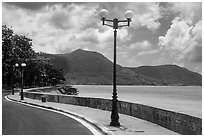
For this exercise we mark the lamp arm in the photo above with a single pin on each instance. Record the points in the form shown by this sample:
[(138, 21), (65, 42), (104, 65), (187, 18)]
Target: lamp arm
[(104, 19), (108, 25), (123, 21), (108, 20), (128, 22), (123, 25)]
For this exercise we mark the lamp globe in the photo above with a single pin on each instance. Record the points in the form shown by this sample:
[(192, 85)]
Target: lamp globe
[(129, 14), (103, 13)]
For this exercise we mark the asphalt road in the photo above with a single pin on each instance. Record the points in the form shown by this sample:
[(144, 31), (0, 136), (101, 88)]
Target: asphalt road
[(18, 119)]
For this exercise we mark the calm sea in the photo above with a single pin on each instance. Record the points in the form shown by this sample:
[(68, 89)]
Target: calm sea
[(184, 99)]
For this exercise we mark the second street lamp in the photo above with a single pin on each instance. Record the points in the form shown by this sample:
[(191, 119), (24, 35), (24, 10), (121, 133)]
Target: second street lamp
[(22, 65), (43, 76), (115, 26)]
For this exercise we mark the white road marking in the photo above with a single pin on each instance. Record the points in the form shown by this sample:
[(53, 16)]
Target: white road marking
[(87, 125)]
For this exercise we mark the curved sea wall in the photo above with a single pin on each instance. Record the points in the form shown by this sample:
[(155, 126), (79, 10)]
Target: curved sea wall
[(178, 122)]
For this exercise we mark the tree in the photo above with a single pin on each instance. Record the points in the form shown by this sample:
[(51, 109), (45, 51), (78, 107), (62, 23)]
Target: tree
[(45, 71), (6, 53), (15, 49), (18, 49)]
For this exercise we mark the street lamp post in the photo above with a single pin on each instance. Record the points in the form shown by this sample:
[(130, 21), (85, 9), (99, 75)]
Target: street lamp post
[(22, 65), (53, 81), (115, 26), (43, 79), (12, 78)]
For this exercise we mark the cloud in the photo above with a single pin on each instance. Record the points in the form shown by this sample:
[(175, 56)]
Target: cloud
[(30, 5), (146, 14), (53, 26), (144, 53), (64, 27), (131, 54), (58, 26), (70, 16), (190, 11), (18, 19), (143, 45), (183, 41), (123, 34), (149, 19)]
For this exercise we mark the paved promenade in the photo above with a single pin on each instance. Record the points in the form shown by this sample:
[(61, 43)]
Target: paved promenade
[(101, 119)]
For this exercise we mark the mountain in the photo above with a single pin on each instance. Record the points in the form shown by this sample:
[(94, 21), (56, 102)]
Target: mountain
[(89, 67), (170, 74)]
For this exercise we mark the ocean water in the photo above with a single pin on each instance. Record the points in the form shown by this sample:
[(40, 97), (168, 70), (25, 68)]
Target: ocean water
[(183, 99)]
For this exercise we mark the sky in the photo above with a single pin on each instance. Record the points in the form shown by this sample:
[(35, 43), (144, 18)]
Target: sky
[(159, 34)]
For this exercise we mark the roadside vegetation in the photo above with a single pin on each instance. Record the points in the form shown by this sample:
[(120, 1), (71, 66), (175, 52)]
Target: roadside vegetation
[(39, 70)]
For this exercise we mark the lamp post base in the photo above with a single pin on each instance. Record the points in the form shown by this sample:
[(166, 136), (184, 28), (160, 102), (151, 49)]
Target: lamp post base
[(21, 93), (115, 123), (114, 114)]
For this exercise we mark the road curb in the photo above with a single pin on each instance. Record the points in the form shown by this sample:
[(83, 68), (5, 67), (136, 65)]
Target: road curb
[(99, 127)]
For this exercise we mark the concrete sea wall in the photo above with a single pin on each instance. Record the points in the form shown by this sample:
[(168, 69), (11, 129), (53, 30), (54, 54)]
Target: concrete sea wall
[(178, 122)]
